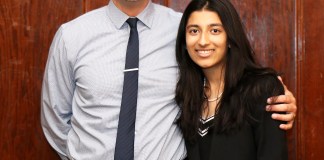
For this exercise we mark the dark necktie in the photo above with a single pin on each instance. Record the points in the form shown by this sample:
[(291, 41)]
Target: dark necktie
[(126, 126)]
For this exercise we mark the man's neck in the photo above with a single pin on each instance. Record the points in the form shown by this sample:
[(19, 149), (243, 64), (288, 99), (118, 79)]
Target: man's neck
[(131, 7)]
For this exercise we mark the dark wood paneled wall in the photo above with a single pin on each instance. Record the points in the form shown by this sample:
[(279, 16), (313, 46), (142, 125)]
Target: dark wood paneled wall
[(311, 86), (26, 31), (285, 34)]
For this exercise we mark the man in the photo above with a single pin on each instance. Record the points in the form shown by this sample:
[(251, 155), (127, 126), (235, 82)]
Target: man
[(83, 84)]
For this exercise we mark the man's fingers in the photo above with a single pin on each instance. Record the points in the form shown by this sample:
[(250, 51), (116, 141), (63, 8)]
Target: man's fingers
[(289, 117), (287, 126), (280, 79), (285, 87), (283, 103), (281, 108), (281, 99)]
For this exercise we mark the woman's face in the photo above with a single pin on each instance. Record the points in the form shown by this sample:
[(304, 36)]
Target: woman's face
[(206, 39)]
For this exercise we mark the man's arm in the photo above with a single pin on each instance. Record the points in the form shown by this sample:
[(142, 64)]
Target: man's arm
[(283, 103), (57, 93)]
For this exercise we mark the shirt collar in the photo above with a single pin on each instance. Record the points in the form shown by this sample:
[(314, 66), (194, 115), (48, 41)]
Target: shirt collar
[(119, 18)]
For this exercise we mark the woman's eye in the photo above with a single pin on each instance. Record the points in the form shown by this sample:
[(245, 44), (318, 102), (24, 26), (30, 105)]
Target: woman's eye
[(215, 31), (193, 31)]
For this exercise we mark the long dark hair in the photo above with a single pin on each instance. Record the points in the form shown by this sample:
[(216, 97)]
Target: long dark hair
[(240, 59)]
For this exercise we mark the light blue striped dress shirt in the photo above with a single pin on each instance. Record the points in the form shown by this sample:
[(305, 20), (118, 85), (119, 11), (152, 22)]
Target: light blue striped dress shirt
[(83, 81)]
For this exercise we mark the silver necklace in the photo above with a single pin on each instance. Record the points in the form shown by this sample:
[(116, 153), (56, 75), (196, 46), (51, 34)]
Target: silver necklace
[(215, 99)]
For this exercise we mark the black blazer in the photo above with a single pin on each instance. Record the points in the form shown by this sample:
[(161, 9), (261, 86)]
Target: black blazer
[(263, 140)]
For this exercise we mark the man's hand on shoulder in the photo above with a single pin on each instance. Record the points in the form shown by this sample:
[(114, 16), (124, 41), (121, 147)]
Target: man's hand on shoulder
[(283, 103)]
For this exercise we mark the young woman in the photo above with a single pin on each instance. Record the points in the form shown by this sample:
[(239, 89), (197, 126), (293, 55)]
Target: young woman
[(222, 90)]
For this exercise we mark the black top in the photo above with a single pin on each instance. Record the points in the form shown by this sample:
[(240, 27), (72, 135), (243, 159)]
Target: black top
[(263, 140), (205, 135)]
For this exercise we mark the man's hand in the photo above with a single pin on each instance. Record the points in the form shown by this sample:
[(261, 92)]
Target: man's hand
[(283, 103)]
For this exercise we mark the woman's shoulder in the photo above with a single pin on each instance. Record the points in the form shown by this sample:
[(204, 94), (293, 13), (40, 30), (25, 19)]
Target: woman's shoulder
[(263, 81), (257, 86)]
